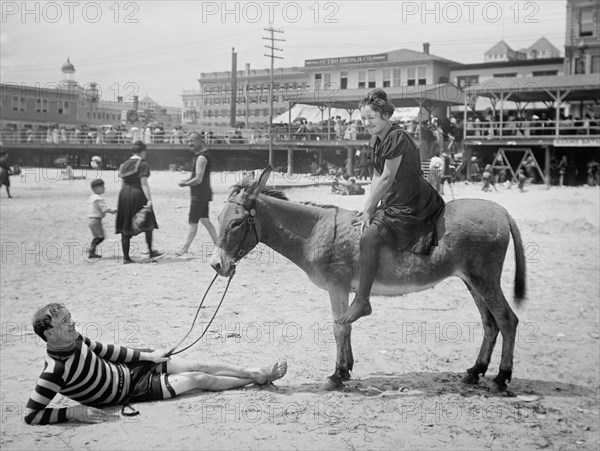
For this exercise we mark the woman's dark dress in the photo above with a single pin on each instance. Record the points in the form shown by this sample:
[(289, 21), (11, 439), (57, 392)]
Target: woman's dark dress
[(407, 214), (131, 197), (6, 173)]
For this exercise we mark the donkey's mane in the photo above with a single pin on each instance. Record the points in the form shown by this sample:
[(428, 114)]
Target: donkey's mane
[(247, 183)]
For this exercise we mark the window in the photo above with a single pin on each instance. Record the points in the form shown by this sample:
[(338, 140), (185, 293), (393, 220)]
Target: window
[(595, 64), (62, 107), (18, 103), (362, 76), (397, 77), (344, 80), (586, 21), (579, 65), (512, 74), (467, 80), (411, 77), (372, 74), (422, 75), (318, 80), (327, 81), (386, 78)]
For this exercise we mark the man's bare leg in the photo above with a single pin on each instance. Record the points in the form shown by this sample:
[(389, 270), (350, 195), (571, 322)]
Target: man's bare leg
[(184, 382), (210, 228), (258, 375), (190, 238)]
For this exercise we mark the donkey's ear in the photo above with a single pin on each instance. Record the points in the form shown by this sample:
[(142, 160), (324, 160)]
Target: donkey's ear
[(258, 186)]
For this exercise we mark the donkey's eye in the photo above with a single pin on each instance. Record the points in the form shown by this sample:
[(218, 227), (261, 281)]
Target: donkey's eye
[(236, 224)]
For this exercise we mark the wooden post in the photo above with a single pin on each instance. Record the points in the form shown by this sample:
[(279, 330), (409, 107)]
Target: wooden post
[(290, 160), (547, 167), (350, 161)]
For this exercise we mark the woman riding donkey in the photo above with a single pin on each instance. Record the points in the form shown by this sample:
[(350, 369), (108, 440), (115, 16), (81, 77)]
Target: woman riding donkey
[(402, 208)]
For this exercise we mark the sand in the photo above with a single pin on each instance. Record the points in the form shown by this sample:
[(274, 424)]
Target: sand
[(410, 354)]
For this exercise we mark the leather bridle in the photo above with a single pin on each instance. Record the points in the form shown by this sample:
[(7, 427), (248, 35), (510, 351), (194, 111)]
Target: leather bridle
[(250, 224)]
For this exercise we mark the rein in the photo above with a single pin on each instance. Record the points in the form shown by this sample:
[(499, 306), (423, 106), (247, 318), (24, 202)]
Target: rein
[(128, 409)]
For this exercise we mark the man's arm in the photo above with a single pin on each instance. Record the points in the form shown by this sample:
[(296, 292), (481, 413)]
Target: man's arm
[(49, 384), (121, 354), (201, 162)]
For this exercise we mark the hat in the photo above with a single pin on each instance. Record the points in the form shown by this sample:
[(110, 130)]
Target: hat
[(97, 182)]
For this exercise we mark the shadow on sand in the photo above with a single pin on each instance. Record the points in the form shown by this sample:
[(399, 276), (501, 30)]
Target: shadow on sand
[(432, 384)]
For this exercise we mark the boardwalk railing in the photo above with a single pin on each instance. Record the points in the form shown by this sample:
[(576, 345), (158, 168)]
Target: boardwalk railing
[(537, 128)]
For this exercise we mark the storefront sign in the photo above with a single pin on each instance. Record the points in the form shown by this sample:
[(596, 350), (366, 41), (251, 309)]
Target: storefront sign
[(346, 60), (577, 142)]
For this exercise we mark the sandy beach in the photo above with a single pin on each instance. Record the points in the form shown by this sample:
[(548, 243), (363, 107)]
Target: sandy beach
[(410, 354)]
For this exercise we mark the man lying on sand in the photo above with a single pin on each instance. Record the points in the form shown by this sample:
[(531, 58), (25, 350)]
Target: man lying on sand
[(100, 375)]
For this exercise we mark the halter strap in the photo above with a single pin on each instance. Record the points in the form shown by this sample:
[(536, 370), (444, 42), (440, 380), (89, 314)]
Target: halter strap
[(250, 224)]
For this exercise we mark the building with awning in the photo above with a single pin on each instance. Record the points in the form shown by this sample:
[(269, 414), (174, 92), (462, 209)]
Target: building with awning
[(570, 124)]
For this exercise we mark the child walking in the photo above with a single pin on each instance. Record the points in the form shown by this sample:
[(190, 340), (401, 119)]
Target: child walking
[(97, 211)]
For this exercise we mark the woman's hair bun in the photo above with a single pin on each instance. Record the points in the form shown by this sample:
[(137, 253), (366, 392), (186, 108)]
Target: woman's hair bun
[(378, 94)]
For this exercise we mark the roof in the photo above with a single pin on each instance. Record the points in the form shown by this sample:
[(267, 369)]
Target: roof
[(514, 63), (407, 55), (68, 67), (543, 44), (501, 47), (540, 89), (402, 96)]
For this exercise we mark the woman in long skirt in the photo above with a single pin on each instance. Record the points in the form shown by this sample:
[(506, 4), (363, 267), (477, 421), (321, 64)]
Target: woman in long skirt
[(135, 195)]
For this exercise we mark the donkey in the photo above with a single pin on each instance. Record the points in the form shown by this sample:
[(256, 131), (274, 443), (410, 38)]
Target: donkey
[(323, 241)]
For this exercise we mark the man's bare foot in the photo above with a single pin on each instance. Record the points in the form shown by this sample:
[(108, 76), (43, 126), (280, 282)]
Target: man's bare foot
[(270, 374), (356, 310), (181, 252)]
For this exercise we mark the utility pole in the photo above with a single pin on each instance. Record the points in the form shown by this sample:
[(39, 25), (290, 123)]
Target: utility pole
[(272, 31), (246, 93), (233, 106)]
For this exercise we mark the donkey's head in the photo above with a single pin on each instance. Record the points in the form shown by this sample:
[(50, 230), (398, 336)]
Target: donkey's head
[(238, 229)]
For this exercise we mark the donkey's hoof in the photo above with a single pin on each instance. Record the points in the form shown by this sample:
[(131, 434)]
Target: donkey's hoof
[(498, 387), (333, 383), (471, 378)]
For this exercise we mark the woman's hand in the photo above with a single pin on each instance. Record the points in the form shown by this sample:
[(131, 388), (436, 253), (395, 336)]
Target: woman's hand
[(365, 220)]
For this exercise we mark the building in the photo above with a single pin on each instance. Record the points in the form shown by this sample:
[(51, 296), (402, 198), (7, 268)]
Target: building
[(35, 107), (503, 52), (582, 43), (210, 105), (540, 49), (465, 75), (69, 105)]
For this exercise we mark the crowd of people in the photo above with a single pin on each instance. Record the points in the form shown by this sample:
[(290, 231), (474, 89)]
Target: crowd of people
[(528, 123)]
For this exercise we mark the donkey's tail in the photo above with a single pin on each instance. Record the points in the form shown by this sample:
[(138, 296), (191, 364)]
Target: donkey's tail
[(520, 284)]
